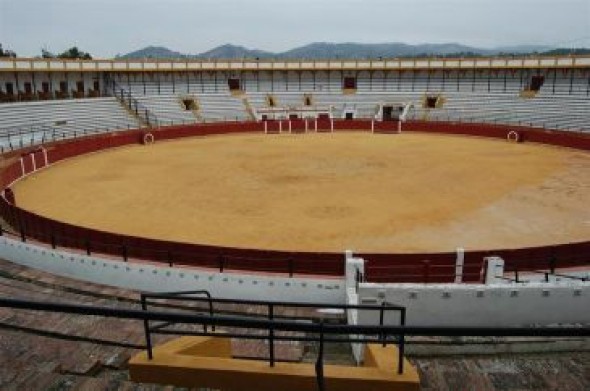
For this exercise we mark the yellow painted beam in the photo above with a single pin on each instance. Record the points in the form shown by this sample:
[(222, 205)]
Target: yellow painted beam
[(205, 362)]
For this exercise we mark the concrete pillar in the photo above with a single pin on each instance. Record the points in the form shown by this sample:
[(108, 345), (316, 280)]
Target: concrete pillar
[(494, 270), (459, 262)]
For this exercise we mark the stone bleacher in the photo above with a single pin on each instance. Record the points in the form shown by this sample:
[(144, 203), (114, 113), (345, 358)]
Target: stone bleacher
[(553, 112), (222, 107), (561, 103), (168, 108), (26, 121)]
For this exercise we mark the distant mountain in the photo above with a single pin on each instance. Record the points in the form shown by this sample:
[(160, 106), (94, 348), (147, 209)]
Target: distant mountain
[(233, 51), (320, 50), (386, 50), (153, 52), (523, 49)]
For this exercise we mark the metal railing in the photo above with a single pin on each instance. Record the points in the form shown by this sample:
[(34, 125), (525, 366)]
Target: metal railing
[(316, 332), (133, 104), (36, 134), (271, 315)]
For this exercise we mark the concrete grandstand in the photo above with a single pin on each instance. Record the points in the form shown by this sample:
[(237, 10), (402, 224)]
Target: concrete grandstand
[(55, 110)]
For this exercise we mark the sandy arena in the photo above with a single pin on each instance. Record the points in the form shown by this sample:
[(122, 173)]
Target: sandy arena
[(325, 192)]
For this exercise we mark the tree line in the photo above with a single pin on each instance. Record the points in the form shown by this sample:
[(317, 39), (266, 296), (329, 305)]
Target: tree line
[(71, 53)]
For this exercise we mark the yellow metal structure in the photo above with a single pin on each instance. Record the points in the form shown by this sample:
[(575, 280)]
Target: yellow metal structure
[(207, 362)]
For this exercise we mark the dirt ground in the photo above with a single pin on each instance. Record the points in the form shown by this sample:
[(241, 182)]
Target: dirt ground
[(325, 192)]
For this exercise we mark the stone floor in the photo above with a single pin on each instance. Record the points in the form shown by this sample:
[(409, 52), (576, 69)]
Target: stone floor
[(545, 372), (50, 351)]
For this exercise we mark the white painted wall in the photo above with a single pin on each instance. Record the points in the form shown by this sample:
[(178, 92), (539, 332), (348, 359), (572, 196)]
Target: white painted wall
[(145, 277), (494, 305), (352, 298)]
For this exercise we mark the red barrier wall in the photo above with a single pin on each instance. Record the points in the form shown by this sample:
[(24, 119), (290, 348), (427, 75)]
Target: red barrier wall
[(438, 267)]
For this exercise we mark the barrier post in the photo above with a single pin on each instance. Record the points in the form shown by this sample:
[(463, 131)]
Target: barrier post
[(169, 256), (459, 263), (271, 336), (383, 336), (494, 270), (401, 345), (45, 156)]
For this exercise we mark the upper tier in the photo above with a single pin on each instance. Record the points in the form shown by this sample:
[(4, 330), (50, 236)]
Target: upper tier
[(151, 65)]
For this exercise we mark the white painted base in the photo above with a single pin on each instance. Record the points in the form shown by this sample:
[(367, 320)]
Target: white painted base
[(495, 305), (151, 278)]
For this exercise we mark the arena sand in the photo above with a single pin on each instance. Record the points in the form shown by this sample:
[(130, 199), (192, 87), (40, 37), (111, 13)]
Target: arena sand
[(325, 192)]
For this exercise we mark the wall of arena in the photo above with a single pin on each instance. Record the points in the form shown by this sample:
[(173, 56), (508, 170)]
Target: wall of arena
[(380, 267)]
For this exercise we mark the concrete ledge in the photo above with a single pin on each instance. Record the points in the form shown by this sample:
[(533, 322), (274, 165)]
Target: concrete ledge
[(205, 362)]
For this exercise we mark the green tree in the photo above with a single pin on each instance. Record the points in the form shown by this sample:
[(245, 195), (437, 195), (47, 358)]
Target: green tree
[(75, 53), (46, 54), (6, 52)]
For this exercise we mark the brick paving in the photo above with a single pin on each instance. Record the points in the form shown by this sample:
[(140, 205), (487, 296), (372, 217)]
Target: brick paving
[(538, 372)]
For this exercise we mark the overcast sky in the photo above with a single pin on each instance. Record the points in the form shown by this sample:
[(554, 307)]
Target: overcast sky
[(107, 27)]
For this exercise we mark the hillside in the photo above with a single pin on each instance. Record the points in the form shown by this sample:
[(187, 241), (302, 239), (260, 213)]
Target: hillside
[(351, 50)]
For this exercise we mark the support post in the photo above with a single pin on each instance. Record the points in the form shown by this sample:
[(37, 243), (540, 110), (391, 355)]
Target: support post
[(271, 336), (45, 156), (459, 263), (494, 270)]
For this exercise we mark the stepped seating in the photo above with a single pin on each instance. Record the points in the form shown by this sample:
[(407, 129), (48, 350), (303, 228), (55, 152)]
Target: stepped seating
[(34, 121), (542, 111), (364, 105), (212, 107), (25, 123), (407, 83), (221, 107), (168, 108)]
